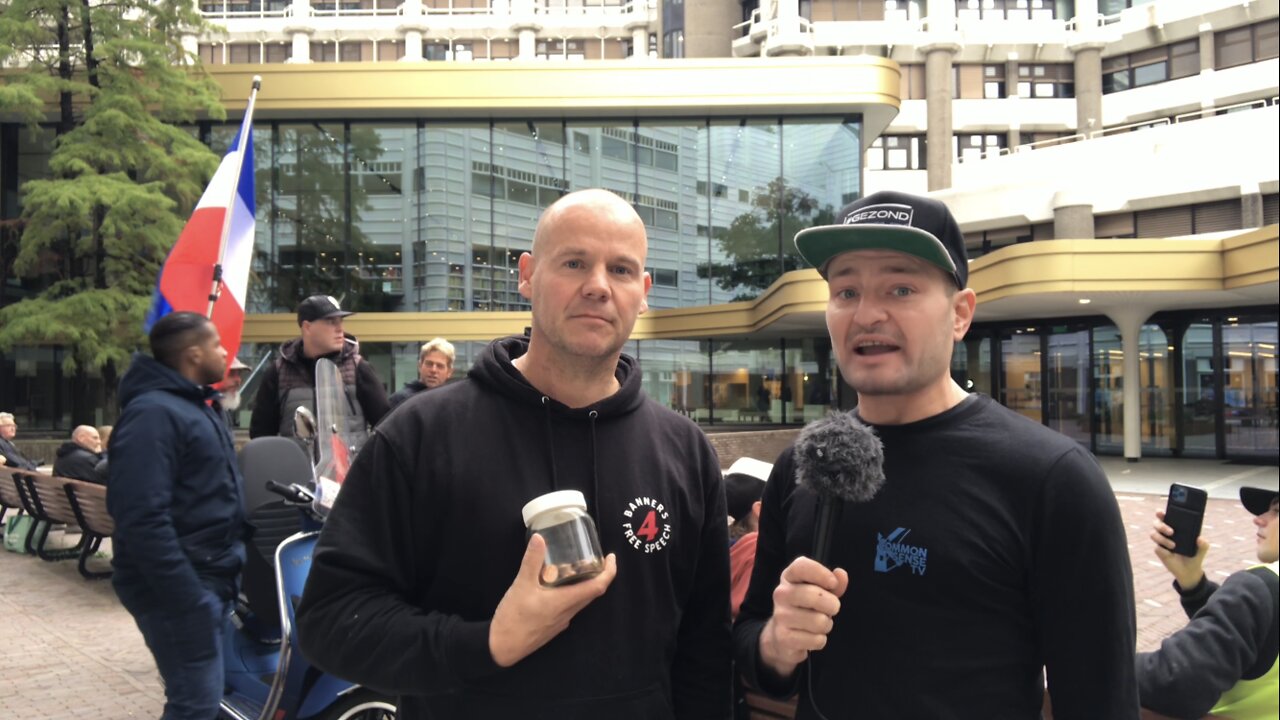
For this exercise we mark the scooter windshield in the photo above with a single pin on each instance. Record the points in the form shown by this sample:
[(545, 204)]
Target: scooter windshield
[(336, 441)]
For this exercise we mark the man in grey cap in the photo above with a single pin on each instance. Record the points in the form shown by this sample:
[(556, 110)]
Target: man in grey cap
[(290, 381), (994, 554), (1224, 662)]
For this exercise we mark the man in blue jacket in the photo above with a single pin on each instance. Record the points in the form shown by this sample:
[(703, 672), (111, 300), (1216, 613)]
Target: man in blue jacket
[(175, 493)]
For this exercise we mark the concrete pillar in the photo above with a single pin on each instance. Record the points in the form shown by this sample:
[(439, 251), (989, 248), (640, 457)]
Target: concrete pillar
[(301, 45), (1207, 48), (1251, 209), (412, 45), (1014, 137), (1129, 321), (1073, 217), (639, 42), (937, 93), (708, 26), (526, 42), (191, 46), (1088, 79)]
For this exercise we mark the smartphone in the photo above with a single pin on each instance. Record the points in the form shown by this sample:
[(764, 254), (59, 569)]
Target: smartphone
[(1185, 513)]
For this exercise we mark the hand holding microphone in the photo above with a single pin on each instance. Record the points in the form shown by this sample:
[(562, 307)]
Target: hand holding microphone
[(839, 459)]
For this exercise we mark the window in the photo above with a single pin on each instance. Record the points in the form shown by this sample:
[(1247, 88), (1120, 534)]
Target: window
[(244, 53), (974, 147), (673, 44), (560, 50), (1239, 46), (1046, 81), (977, 81), (1013, 9), (663, 277), (897, 152), (912, 82), (1150, 66), (903, 9)]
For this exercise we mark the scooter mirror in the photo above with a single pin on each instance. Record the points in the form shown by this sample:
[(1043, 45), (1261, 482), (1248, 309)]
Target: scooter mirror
[(304, 423)]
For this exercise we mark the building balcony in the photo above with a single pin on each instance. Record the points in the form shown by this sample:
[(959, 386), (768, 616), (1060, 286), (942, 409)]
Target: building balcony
[(1212, 88), (1118, 171)]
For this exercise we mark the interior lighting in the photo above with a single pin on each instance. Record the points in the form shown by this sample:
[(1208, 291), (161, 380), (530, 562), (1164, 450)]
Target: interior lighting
[(1084, 301)]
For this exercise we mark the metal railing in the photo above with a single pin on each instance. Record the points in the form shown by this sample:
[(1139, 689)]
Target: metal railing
[(1126, 128)]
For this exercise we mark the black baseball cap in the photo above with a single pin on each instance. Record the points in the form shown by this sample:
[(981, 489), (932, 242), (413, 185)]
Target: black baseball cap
[(319, 307), (1257, 500), (891, 220)]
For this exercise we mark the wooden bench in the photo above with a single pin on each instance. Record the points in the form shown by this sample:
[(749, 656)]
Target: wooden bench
[(74, 503), (9, 497), (45, 500), (89, 503)]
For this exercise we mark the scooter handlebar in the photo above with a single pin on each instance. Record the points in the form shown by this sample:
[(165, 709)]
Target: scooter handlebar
[(291, 492)]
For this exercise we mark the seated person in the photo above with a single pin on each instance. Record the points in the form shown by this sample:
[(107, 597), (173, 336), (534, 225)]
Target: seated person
[(743, 486), (1224, 661), (10, 456), (78, 457)]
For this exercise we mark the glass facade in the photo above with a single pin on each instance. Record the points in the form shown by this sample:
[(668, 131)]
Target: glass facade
[(432, 216)]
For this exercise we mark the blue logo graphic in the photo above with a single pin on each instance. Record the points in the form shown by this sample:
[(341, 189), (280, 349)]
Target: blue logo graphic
[(892, 553)]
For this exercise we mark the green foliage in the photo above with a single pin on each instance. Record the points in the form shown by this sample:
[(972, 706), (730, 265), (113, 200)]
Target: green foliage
[(123, 176), (751, 243)]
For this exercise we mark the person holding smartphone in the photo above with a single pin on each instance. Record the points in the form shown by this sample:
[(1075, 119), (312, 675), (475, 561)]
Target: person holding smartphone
[(1224, 661)]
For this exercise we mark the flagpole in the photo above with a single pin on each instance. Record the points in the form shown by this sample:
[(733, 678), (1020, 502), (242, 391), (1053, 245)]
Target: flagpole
[(246, 127)]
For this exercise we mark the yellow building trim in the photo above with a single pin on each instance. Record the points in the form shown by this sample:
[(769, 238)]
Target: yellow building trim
[(611, 88), (1044, 267)]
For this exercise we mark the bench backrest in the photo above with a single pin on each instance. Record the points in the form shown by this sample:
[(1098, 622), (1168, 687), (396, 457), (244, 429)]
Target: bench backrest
[(53, 504), (91, 500), (8, 491)]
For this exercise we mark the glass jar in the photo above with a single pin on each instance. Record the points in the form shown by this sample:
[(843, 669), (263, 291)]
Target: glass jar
[(573, 549)]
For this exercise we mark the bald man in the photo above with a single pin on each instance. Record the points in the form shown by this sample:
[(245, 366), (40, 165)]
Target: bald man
[(424, 583), (79, 456)]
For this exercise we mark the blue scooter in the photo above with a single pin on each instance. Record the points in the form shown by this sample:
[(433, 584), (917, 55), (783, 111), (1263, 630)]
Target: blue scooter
[(286, 499)]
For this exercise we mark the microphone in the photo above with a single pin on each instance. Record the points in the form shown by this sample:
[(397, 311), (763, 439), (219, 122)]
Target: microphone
[(840, 459)]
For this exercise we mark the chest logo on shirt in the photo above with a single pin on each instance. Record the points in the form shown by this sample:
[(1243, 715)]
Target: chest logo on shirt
[(892, 553), (646, 525)]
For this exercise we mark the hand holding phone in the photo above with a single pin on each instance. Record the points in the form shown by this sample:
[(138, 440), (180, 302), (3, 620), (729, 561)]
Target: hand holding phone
[(1185, 514)]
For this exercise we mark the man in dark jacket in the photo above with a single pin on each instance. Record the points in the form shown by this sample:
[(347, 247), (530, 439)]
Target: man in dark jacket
[(176, 495), (435, 367), (290, 381), (78, 458), (424, 584), (10, 455)]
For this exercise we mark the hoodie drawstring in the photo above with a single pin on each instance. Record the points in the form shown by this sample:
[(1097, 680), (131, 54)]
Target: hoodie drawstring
[(595, 477), (551, 444), (551, 456)]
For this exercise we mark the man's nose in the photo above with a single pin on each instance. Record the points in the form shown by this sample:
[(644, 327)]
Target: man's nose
[(868, 312), (597, 282)]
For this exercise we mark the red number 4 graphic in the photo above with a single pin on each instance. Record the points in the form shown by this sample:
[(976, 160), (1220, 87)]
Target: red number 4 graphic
[(649, 528)]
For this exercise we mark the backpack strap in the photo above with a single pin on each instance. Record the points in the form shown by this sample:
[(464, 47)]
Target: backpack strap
[(1268, 658)]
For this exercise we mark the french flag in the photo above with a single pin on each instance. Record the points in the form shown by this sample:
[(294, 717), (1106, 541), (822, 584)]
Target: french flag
[(207, 270)]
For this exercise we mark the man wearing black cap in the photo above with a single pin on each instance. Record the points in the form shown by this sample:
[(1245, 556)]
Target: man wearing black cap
[(1224, 662), (993, 555), (290, 381)]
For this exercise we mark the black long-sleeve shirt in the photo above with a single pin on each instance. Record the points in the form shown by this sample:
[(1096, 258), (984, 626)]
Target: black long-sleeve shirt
[(993, 553)]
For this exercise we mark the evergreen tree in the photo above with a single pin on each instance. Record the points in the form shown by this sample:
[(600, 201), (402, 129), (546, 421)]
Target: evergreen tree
[(123, 175), (752, 241)]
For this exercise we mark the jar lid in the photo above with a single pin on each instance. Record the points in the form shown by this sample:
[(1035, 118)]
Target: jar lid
[(552, 500)]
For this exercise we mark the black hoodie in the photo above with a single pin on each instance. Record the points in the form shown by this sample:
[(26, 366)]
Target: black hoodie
[(427, 536)]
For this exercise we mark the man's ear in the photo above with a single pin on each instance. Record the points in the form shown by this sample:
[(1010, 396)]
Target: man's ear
[(755, 509), (644, 300), (964, 303), (526, 275)]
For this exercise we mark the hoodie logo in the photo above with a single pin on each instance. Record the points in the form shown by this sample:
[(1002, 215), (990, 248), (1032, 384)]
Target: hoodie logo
[(646, 525), (893, 553)]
